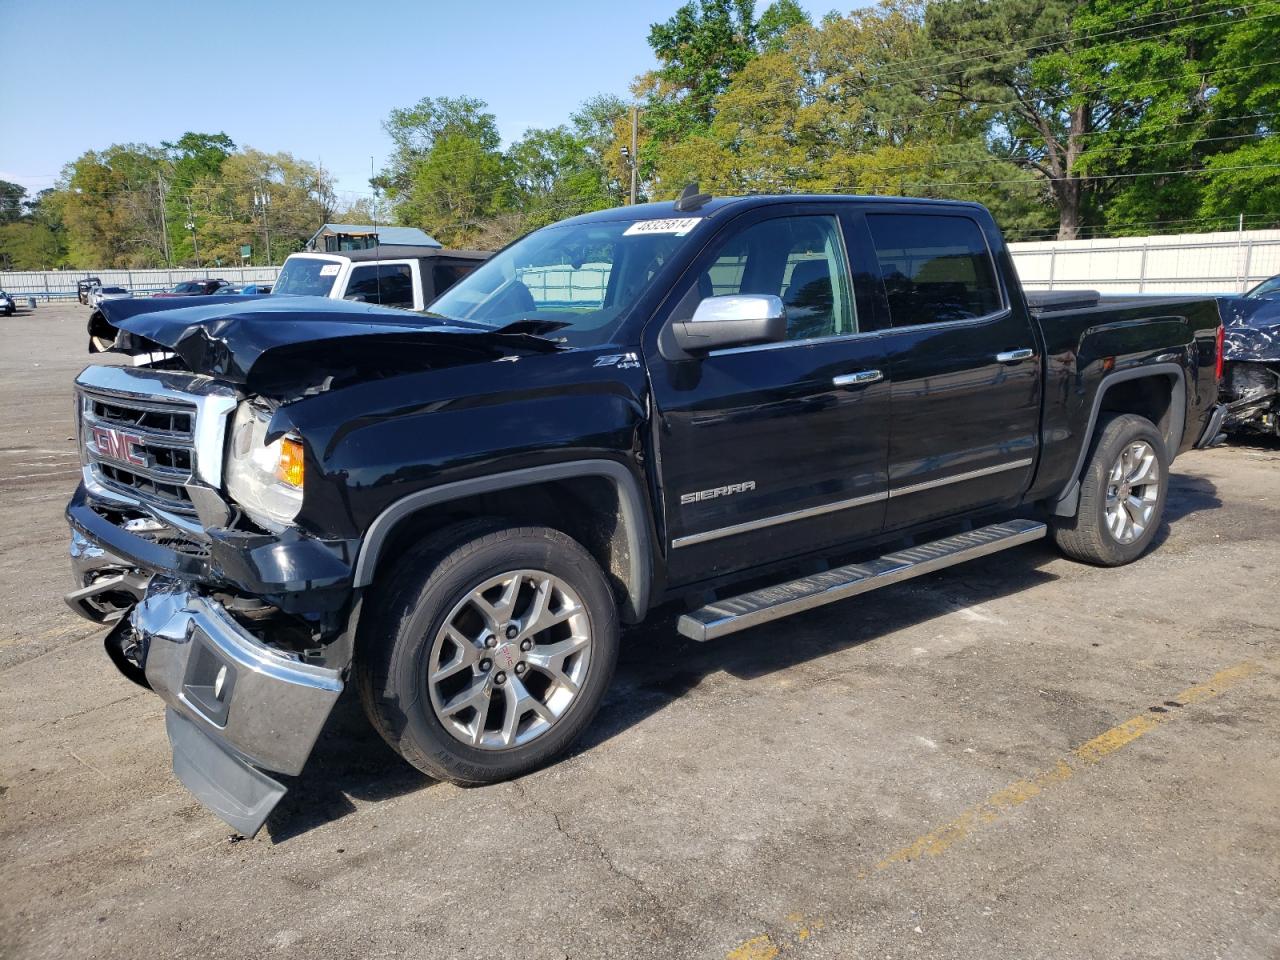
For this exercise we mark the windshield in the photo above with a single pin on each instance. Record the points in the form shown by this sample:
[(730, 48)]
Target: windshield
[(584, 276), (190, 287), (1265, 290), (303, 277)]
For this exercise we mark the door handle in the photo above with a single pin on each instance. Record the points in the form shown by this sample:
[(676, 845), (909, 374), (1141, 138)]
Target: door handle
[(860, 379), (1013, 356)]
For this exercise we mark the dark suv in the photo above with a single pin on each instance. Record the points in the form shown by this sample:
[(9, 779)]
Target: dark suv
[(196, 288)]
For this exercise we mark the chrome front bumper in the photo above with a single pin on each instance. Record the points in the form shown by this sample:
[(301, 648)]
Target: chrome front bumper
[(235, 704)]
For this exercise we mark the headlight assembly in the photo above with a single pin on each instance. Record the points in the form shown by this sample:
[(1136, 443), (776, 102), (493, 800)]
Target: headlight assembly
[(264, 478)]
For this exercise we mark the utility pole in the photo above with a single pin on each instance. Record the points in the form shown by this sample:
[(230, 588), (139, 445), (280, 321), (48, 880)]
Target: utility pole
[(191, 225), (635, 158), (262, 199), (164, 221)]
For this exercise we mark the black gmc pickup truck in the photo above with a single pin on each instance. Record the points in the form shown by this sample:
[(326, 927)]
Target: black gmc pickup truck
[(758, 405)]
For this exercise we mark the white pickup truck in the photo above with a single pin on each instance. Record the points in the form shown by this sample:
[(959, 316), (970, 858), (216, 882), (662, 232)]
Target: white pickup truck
[(394, 276)]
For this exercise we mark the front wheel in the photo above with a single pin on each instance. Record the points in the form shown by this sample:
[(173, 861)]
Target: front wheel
[(488, 651), (1122, 494)]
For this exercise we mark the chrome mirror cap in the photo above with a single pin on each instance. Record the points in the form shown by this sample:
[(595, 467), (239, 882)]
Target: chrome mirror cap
[(737, 320), (739, 306)]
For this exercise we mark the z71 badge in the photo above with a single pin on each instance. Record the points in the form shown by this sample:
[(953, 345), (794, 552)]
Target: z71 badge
[(620, 361), (728, 490)]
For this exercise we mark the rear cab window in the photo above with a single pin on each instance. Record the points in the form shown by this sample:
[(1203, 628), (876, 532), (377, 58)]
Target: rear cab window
[(935, 268)]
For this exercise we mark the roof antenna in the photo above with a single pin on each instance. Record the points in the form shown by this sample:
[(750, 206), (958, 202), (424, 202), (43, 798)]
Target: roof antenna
[(691, 199)]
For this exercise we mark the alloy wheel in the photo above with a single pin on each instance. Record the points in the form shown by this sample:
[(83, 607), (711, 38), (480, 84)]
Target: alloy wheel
[(1133, 491), (509, 660)]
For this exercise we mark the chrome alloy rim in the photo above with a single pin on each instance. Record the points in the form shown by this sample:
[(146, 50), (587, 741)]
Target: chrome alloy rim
[(509, 660), (1133, 489)]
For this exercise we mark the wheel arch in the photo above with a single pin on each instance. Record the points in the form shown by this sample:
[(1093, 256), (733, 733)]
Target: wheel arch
[(1119, 386), (622, 548)]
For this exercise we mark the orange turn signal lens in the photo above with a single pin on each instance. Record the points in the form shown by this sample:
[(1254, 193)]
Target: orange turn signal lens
[(290, 467)]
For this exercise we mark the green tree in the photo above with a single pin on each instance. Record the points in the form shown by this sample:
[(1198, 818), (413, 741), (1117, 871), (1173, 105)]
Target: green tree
[(195, 162), (555, 175), (110, 203), (700, 49), (447, 173), (230, 212), (12, 198), (1114, 104)]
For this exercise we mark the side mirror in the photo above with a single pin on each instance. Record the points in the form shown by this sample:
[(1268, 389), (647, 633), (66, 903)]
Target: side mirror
[(737, 320)]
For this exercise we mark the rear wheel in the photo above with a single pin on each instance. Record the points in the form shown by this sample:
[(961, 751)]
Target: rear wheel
[(488, 651), (1122, 494)]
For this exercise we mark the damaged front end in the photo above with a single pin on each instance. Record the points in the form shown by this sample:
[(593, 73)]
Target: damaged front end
[(211, 533), (244, 633)]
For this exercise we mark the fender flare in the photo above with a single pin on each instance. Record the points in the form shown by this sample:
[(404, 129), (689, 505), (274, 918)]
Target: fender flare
[(1064, 505), (630, 503)]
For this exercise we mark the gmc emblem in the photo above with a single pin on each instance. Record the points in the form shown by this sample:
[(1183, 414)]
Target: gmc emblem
[(118, 445)]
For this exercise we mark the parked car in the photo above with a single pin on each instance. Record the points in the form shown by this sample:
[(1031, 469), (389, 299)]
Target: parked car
[(101, 294), (84, 286), (456, 512), (8, 306), (253, 289), (1251, 385), (195, 288), (394, 276)]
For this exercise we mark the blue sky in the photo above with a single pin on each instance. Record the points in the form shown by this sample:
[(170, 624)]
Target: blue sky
[(315, 78)]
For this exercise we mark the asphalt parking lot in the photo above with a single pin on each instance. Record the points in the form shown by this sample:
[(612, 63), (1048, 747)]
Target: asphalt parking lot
[(1021, 757)]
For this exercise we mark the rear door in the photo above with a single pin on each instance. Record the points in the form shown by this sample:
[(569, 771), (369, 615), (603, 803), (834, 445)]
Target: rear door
[(770, 451), (964, 365)]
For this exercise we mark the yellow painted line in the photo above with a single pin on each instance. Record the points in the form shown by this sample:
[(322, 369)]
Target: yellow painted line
[(1090, 752), (768, 947), (1003, 802)]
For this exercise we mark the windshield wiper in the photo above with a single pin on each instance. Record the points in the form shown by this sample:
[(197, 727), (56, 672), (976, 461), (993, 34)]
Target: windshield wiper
[(533, 327)]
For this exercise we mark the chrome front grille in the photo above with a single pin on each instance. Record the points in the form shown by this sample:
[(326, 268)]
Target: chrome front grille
[(140, 448)]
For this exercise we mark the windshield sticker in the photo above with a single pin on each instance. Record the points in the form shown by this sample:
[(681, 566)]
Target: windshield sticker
[(679, 226), (330, 269)]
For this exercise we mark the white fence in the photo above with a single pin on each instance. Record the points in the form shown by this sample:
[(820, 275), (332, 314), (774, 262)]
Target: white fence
[(1185, 263), (60, 284)]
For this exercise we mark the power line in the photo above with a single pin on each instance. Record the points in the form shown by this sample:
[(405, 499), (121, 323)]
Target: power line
[(1108, 176), (1090, 91), (1031, 44)]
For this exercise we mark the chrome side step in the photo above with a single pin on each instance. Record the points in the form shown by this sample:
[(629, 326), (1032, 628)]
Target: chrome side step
[(772, 603)]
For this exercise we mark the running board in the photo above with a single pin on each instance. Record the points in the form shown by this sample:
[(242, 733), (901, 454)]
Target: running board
[(772, 603)]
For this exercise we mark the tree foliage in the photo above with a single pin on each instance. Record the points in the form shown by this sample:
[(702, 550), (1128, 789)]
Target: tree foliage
[(1067, 117)]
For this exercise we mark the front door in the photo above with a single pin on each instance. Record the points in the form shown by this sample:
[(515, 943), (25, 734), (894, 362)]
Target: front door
[(766, 452), (964, 365)]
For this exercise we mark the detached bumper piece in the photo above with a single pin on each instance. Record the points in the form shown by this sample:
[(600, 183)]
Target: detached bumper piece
[(236, 706), (1213, 429)]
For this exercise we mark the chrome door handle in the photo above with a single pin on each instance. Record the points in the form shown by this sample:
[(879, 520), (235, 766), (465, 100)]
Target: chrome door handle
[(859, 379), (1013, 356)]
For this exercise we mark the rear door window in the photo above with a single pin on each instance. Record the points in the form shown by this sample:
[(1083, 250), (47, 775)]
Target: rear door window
[(390, 284), (935, 268)]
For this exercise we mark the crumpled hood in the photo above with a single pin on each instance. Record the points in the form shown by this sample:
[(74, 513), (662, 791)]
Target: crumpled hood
[(1252, 329), (281, 345)]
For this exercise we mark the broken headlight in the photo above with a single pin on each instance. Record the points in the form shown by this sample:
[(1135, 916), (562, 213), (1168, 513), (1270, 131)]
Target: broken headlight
[(264, 478)]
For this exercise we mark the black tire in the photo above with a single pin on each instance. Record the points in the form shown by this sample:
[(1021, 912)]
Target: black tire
[(404, 616), (1087, 536)]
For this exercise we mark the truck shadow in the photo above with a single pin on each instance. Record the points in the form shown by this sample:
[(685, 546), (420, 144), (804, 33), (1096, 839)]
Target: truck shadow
[(350, 761), (658, 666)]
